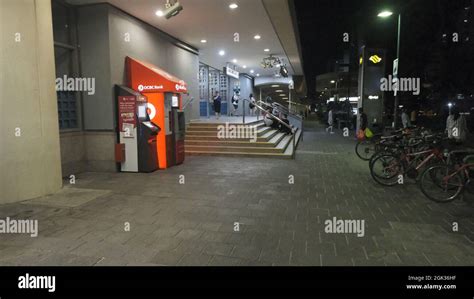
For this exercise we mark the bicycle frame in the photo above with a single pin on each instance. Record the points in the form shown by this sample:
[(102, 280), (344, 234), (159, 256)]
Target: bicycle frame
[(463, 168)]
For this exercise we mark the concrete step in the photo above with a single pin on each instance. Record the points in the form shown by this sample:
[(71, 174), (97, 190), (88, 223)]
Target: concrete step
[(202, 128), (227, 148), (214, 131), (216, 124), (282, 149), (242, 143), (239, 154), (267, 136)]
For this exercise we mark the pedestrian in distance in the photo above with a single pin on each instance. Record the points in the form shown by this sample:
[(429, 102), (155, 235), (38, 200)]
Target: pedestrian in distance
[(330, 121), (217, 104)]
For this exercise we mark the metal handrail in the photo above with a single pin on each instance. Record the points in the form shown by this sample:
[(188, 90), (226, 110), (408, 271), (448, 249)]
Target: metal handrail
[(280, 121), (187, 103), (298, 117), (286, 110)]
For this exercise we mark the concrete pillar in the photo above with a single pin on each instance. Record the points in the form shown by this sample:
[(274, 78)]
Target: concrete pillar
[(30, 163)]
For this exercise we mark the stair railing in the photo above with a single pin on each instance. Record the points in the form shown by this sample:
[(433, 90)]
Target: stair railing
[(297, 119), (265, 112)]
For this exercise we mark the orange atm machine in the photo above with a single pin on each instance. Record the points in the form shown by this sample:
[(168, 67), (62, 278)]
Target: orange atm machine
[(164, 93)]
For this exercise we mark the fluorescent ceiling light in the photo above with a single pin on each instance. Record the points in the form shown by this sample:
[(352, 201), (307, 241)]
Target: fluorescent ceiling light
[(279, 90), (257, 36), (267, 50), (203, 41), (233, 6), (275, 85), (221, 52), (282, 95), (385, 14), (159, 13)]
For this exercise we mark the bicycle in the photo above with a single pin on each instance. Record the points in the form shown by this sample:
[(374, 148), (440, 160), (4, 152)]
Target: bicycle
[(446, 182), (387, 168)]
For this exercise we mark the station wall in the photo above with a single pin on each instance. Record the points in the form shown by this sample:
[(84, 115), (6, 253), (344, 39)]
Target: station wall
[(106, 36), (29, 147)]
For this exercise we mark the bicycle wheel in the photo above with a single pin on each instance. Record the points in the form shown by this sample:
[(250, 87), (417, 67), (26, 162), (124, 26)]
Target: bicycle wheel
[(365, 149), (385, 169), (380, 152), (439, 185)]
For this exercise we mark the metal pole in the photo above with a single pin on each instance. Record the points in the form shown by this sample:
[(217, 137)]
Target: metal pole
[(289, 100), (395, 112), (243, 111)]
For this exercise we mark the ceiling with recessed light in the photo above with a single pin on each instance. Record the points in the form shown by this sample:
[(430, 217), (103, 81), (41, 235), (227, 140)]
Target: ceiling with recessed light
[(216, 23)]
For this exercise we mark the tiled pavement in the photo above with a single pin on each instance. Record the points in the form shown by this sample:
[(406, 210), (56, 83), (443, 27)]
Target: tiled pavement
[(280, 223)]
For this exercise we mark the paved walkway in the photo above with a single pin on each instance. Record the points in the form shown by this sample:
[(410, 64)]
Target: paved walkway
[(154, 219)]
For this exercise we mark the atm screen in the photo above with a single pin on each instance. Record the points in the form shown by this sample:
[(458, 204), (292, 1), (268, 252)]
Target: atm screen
[(142, 112), (174, 102), (181, 121)]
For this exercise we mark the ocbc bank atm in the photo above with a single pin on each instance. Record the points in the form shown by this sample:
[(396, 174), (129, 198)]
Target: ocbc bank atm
[(176, 129), (164, 93), (136, 150)]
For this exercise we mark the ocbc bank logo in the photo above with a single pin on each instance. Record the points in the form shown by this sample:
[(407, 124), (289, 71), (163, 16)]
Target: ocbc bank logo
[(180, 86), (149, 87)]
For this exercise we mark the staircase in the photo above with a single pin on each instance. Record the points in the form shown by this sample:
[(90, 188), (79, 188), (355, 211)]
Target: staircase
[(202, 139)]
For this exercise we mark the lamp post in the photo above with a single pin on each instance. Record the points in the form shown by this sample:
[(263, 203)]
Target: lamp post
[(386, 14)]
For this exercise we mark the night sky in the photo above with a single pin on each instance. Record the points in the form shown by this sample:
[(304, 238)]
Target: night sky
[(447, 66)]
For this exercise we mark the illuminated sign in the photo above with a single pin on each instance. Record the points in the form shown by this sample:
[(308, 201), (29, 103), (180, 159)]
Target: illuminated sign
[(231, 73), (375, 59)]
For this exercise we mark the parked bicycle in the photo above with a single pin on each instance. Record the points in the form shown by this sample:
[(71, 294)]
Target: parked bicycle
[(445, 182), (408, 160)]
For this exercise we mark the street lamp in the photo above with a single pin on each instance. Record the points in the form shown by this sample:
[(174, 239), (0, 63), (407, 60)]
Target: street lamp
[(386, 14)]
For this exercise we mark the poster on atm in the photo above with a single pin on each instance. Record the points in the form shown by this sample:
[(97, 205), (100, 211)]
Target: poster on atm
[(127, 106)]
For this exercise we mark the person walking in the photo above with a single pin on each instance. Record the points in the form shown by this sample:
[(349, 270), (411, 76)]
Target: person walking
[(405, 119), (330, 121), (456, 126), (217, 104), (235, 103), (252, 105)]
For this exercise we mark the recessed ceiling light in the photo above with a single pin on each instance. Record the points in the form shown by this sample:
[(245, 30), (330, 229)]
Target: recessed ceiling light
[(234, 60), (233, 6), (252, 71), (257, 36), (159, 13), (203, 41), (258, 75), (244, 66), (222, 52)]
